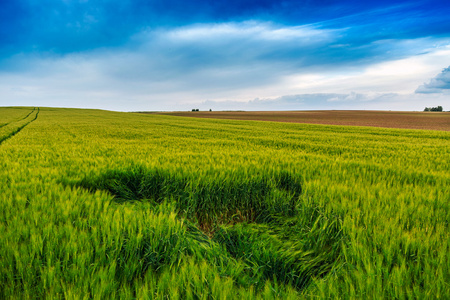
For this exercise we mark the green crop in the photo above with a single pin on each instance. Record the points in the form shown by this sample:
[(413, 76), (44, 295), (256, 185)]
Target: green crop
[(98, 204)]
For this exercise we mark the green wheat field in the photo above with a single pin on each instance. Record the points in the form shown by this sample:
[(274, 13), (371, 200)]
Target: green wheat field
[(103, 205)]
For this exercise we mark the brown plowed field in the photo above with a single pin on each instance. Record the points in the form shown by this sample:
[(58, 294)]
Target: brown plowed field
[(388, 119)]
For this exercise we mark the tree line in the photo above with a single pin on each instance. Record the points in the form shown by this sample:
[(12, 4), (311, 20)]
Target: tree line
[(439, 108)]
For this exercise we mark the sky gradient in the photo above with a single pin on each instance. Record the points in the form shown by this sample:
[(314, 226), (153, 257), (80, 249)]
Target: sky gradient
[(225, 55)]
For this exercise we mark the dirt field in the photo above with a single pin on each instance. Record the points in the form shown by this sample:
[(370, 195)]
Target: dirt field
[(388, 119)]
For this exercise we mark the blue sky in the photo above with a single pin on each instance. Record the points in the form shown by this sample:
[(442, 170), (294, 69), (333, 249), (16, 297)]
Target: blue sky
[(251, 55)]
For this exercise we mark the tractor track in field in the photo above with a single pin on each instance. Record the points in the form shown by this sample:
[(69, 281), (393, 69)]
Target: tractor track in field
[(18, 129), (3, 125)]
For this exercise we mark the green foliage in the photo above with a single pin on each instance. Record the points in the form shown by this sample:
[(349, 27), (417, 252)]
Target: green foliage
[(100, 204), (210, 200), (439, 108)]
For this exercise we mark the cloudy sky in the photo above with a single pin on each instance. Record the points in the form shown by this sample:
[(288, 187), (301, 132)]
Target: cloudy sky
[(235, 55)]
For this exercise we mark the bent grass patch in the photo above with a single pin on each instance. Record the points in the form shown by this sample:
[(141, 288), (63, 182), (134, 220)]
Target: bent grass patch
[(260, 221)]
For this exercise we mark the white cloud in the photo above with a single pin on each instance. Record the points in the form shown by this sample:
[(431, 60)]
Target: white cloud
[(320, 101), (438, 84), (396, 76), (224, 63), (244, 31)]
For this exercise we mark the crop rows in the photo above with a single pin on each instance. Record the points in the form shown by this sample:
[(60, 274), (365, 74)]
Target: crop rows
[(102, 204)]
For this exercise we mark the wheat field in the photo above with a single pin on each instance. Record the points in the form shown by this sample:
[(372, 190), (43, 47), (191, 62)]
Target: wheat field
[(103, 205)]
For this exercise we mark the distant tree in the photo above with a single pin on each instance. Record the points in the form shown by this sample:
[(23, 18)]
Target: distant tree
[(195, 109), (210, 109), (439, 108)]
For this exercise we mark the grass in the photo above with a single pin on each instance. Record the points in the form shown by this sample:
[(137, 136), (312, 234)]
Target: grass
[(100, 204)]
